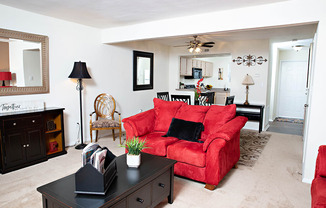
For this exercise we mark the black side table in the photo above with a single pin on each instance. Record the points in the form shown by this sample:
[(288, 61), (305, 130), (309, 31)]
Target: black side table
[(247, 111)]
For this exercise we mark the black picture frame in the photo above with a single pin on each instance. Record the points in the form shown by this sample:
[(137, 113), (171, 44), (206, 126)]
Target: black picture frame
[(136, 55)]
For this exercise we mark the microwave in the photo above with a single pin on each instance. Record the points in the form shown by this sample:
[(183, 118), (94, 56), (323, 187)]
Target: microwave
[(196, 74)]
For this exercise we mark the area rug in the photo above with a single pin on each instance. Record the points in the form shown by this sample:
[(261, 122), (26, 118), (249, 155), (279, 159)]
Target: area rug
[(252, 144)]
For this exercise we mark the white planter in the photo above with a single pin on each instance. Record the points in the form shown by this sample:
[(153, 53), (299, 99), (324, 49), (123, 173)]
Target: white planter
[(133, 161)]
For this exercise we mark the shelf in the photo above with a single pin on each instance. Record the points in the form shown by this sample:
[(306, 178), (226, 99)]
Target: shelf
[(54, 136)]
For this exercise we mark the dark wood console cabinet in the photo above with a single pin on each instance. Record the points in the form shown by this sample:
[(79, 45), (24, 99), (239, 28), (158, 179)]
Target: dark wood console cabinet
[(251, 114), (25, 138)]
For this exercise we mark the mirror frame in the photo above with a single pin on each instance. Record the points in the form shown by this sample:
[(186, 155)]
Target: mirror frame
[(44, 40), (149, 86)]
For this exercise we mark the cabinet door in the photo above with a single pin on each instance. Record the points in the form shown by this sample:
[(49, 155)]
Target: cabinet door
[(189, 67), (209, 69), (14, 149), (35, 148), (204, 68), (183, 66), (196, 63)]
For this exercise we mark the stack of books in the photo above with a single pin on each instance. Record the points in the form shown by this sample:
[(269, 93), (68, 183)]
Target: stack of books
[(97, 156)]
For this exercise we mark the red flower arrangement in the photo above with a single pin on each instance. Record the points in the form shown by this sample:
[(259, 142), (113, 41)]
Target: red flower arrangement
[(198, 91)]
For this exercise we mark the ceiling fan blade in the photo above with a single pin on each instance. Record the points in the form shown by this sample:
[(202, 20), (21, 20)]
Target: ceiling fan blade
[(208, 46), (208, 43)]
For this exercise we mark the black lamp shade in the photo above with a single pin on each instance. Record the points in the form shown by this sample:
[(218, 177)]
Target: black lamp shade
[(80, 71)]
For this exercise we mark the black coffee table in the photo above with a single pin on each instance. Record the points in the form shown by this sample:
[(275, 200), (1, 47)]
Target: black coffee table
[(145, 186)]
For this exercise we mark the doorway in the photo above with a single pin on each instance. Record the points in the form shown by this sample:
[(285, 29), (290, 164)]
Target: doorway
[(289, 92)]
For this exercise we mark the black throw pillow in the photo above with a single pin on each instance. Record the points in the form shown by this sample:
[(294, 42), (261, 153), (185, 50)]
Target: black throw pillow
[(186, 130)]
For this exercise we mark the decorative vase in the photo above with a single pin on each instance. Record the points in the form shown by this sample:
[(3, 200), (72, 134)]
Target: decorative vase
[(133, 161)]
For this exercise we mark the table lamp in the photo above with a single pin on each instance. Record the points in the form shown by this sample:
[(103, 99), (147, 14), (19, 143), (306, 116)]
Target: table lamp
[(247, 81), (5, 76), (80, 72)]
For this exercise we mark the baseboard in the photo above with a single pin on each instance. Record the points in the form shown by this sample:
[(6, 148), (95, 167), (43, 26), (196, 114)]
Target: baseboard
[(307, 180), (266, 127)]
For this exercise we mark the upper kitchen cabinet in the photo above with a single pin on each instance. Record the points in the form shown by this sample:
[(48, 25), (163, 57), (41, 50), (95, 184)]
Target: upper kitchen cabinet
[(185, 66), (207, 69), (197, 63)]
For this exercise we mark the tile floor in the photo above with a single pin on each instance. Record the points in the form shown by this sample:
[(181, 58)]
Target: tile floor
[(286, 128)]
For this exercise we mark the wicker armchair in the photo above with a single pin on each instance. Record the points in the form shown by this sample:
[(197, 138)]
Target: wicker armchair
[(104, 106)]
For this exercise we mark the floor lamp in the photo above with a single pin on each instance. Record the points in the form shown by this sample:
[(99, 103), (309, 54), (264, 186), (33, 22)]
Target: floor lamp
[(247, 81), (80, 72)]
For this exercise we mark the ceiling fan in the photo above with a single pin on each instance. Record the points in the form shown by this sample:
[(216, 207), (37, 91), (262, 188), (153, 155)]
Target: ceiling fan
[(195, 45)]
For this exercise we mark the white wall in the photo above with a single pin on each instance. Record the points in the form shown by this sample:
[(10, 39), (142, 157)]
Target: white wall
[(269, 15), (110, 67)]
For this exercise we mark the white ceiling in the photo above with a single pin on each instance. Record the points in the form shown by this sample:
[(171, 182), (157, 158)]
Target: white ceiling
[(275, 35), (111, 13)]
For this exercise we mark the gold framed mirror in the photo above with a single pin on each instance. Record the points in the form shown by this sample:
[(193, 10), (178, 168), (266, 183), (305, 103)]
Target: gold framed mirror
[(26, 56)]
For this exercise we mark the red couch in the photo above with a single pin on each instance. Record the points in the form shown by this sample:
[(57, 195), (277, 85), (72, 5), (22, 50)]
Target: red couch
[(206, 162), (318, 186)]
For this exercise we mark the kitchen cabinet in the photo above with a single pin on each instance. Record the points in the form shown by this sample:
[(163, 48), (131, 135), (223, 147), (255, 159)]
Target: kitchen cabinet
[(185, 66), (24, 140), (197, 63), (207, 69)]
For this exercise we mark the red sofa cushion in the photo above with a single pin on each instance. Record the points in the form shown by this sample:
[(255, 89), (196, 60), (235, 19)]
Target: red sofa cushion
[(164, 112), (195, 113), (188, 152), (190, 171), (216, 116), (157, 144), (318, 192)]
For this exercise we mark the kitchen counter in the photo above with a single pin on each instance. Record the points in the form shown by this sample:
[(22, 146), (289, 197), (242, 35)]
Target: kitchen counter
[(211, 90)]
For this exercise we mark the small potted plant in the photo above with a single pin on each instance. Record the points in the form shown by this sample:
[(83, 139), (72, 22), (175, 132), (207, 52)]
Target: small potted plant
[(134, 147)]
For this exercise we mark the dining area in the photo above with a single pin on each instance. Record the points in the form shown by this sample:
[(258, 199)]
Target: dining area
[(203, 99)]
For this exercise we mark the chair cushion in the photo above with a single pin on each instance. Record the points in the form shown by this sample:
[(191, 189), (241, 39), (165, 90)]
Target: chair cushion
[(216, 117), (188, 152), (320, 162), (157, 145), (186, 130), (164, 112), (105, 123), (195, 113)]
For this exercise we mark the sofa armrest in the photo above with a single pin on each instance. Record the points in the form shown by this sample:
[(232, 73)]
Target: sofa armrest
[(139, 124), (321, 162), (226, 131)]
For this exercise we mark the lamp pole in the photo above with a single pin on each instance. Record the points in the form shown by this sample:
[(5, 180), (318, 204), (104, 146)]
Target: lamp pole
[(80, 88)]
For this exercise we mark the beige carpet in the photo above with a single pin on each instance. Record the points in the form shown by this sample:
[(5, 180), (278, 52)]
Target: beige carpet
[(274, 180)]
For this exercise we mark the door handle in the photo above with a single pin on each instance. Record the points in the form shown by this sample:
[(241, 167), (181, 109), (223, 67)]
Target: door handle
[(306, 105)]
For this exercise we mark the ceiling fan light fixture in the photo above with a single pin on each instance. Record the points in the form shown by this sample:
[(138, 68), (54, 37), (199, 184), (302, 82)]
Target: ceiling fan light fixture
[(198, 50), (191, 50)]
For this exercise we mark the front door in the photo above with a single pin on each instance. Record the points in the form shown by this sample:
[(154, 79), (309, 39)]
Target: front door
[(292, 89)]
